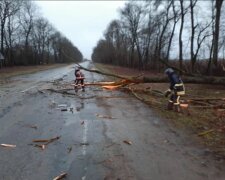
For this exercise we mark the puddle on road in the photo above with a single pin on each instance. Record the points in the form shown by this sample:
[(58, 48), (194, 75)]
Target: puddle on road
[(71, 110)]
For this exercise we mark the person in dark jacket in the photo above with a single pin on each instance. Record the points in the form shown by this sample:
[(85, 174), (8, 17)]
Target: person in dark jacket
[(175, 90), (79, 79)]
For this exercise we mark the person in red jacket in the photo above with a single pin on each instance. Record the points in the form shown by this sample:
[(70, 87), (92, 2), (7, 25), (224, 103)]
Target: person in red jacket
[(176, 89), (79, 79)]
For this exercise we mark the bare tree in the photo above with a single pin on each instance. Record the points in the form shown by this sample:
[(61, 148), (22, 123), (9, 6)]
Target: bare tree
[(7, 9), (180, 34), (164, 23), (202, 35), (176, 18), (209, 69), (11, 38), (26, 19), (27, 15), (193, 27), (131, 16), (217, 31)]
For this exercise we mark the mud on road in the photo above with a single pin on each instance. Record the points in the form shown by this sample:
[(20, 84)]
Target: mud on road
[(103, 135)]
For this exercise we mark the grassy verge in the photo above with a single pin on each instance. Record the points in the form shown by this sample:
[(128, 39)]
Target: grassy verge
[(9, 72), (206, 123)]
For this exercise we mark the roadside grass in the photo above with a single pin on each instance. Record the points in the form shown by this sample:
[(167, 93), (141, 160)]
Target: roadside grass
[(203, 122), (8, 72)]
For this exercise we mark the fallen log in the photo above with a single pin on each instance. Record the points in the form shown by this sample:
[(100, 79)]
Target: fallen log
[(193, 79), (188, 80)]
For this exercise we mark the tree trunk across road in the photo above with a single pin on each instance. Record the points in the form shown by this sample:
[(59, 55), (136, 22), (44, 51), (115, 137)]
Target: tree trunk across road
[(104, 135)]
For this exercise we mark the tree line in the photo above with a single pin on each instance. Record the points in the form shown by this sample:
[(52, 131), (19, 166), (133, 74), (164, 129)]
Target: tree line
[(187, 34), (27, 38)]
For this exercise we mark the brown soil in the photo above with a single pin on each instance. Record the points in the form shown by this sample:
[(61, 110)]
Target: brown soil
[(207, 123)]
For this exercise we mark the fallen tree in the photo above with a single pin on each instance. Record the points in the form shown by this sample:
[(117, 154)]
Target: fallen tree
[(187, 77), (126, 83), (144, 79)]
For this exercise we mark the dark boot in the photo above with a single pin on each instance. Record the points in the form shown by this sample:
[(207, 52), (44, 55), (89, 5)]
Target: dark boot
[(177, 108), (170, 106)]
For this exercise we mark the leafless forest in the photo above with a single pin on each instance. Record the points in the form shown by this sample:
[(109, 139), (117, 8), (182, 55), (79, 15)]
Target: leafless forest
[(149, 35), (27, 38), (187, 34)]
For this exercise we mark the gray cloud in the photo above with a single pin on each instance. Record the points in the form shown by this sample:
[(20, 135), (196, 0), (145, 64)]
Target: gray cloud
[(83, 22)]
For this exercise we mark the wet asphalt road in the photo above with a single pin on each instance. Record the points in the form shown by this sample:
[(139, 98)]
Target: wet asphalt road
[(91, 147)]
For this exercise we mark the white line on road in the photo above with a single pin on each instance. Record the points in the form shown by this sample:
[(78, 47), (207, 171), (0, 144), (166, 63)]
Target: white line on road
[(84, 138), (28, 89)]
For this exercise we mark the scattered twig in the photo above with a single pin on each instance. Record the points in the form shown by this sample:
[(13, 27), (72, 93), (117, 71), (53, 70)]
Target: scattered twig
[(63, 175), (84, 144), (127, 142), (206, 132), (105, 161), (45, 141), (8, 145), (157, 92), (140, 98), (41, 140), (42, 146), (110, 145), (104, 116), (112, 87)]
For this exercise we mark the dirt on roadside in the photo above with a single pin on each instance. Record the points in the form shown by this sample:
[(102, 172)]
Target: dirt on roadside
[(8, 72), (205, 119)]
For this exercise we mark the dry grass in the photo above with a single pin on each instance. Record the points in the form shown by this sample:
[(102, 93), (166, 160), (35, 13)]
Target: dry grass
[(8, 72), (208, 121)]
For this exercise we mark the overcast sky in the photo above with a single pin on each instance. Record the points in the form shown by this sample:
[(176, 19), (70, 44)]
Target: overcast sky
[(83, 22)]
